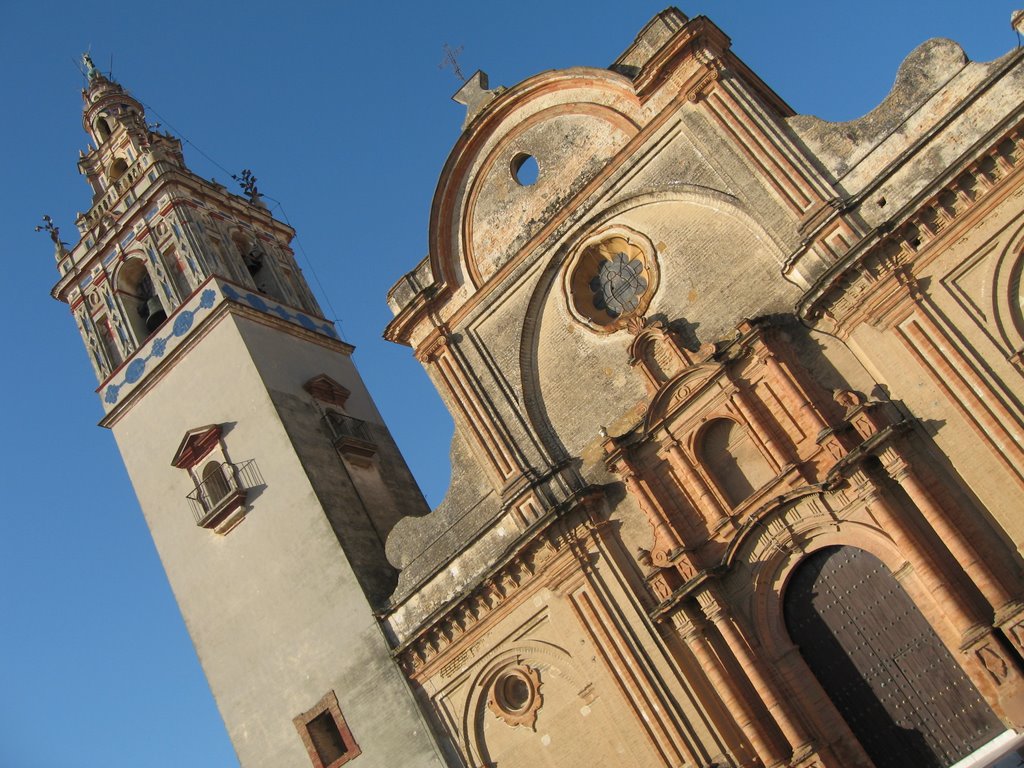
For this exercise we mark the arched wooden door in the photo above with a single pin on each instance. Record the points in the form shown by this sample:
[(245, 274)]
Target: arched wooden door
[(892, 679)]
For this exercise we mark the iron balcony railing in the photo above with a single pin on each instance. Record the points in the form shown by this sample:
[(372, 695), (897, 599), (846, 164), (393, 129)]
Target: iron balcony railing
[(223, 490), (351, 437), (342, 427)]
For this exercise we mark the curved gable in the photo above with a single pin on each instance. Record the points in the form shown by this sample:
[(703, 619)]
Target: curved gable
[(572, 122)]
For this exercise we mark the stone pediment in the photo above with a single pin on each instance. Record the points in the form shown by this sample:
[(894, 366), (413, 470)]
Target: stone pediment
[(196, 444), (681, 391), (522, 162)]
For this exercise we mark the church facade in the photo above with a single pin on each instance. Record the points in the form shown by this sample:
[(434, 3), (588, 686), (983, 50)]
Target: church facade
[(738, 468)]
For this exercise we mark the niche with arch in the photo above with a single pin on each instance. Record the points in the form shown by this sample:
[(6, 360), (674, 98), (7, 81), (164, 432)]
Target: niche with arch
[(102, 129), (142, 306), (177, 269), (110, 349), (117, 169), (732, 460), (257, 264)]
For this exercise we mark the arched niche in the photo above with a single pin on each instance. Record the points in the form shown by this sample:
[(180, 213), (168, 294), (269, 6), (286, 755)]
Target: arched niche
[(141, 306), (117, 169), (258, 264), (176, 268), (732, 460)]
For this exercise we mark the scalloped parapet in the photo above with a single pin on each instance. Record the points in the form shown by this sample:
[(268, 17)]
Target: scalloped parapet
[(935, 85)]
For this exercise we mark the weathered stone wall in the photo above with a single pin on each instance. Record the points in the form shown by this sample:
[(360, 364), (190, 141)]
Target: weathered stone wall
[(799, 336)]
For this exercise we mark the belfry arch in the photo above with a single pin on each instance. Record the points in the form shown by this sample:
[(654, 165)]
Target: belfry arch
[(136, 290)]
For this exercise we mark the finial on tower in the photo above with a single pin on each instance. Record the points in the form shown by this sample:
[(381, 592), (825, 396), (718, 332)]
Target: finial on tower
[(247, 181), (91, 73), (60, 248), (451, 59)]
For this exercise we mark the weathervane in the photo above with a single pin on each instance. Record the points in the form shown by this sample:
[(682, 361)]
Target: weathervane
[(248, 184), (451, 59), (54, 231)]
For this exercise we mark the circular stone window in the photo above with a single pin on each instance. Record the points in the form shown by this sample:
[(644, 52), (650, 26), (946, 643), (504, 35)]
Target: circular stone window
[(515, 696), (611, 278), (525, 169)]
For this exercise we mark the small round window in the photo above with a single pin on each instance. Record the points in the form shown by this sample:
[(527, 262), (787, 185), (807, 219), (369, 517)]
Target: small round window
[(515, 696), (525, 169), (515, 693), (611, 278)]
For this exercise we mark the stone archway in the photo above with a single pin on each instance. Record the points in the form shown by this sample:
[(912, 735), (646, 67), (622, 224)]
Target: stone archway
[(890, 676)]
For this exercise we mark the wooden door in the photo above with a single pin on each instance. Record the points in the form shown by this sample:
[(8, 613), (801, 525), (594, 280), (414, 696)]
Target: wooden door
[(892, 679)]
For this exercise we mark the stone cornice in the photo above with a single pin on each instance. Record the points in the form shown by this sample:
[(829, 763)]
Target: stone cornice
[(191, 321), (914, 235), (534, 553)]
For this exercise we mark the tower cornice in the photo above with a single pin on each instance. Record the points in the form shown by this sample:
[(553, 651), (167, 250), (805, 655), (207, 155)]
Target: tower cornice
[(193, 320), (173, 187)]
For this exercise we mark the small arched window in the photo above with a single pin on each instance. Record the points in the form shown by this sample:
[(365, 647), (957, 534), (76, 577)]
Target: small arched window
[(117, 169), (733, 461), (215, 484), (102, 129), (256, 263)]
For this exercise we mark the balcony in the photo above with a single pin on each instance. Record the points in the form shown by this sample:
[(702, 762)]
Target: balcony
[(351, 437), (218, 502)]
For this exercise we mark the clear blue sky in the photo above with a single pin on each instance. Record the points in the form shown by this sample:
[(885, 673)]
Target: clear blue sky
[(343, 114)]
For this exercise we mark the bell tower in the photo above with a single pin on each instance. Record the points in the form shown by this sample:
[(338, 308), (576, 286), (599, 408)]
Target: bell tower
[(265, 473)]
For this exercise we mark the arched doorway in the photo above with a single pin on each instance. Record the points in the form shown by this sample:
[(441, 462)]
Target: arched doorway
[(891, 678)]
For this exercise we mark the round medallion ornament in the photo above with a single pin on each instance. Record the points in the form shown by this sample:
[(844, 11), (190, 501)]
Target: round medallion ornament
[(135, 370), (515, 695), (183, 322)]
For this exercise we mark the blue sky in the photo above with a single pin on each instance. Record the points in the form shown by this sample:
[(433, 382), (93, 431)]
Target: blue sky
[(343, 114)]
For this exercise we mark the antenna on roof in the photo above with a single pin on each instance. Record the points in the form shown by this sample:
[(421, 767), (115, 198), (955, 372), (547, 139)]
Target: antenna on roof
[(78, 66)]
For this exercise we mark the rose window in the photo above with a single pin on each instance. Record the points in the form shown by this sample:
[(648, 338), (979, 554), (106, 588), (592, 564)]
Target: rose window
[(618, 285), (611, 278)]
